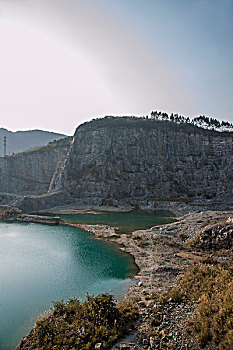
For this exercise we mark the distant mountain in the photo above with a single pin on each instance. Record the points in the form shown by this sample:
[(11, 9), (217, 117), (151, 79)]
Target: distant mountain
[(23, 140)]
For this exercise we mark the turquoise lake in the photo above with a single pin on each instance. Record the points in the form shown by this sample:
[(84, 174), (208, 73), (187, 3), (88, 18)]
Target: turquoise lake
[(44, 263)]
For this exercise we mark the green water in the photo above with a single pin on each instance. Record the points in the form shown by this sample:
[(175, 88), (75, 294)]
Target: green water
[(126, 221), (43, 263)]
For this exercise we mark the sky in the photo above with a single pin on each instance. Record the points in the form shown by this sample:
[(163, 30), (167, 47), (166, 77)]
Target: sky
[(63, 62)]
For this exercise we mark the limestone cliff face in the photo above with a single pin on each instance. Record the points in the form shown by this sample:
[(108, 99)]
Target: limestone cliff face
[(125, 161), (31, 172)]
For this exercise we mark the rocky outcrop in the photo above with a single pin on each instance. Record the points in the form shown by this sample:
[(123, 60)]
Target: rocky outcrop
[(124, 161), (10, 214), (31, 172), (216, 236)]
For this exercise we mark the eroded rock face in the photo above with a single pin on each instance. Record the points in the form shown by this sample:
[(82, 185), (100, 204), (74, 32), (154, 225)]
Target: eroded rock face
[(31, 172), (125, 161)]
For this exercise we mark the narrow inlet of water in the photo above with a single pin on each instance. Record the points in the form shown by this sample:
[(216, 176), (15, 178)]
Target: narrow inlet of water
[(126, 222)]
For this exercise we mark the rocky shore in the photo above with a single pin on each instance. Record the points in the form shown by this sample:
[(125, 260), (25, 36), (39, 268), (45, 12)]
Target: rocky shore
[(162, 254)]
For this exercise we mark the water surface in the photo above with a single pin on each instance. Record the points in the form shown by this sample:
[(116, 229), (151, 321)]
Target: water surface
[(126, 221), (44, 263)]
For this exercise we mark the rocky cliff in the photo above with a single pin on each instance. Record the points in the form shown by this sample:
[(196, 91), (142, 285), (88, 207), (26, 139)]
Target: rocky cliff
[(31, 172), (126, 161), (131, 162)]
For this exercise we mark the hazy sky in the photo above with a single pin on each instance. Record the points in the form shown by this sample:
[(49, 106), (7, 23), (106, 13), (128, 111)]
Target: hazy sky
[(66, 61)]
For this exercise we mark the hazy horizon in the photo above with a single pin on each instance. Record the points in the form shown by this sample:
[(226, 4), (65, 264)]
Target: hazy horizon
[(28, 130), (63, 62)]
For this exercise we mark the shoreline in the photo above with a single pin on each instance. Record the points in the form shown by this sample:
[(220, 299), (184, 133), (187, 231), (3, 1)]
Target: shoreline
[(108, 234), (178, 206), (162, 255)]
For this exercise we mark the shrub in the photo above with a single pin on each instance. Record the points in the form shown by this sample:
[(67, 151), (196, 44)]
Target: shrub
[(80, 325)]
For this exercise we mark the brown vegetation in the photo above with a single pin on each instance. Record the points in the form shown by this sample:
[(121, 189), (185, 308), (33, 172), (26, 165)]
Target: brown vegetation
[(81, 325)]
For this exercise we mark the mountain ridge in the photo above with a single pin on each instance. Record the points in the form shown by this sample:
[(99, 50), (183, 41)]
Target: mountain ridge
[(22, 140)]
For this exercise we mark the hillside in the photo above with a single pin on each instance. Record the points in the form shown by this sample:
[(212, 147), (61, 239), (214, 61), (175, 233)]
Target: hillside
[(20, 141)]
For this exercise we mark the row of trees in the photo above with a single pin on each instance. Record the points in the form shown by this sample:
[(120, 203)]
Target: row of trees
[(201, 121)]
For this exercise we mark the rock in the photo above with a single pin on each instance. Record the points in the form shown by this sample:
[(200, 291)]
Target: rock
[(229, 220), (124, 347), (9, 213), (152, 342), (216, 236), (98, 346), (31, 172)]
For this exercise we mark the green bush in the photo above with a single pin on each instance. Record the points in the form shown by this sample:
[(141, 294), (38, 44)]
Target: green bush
[(80, 325)]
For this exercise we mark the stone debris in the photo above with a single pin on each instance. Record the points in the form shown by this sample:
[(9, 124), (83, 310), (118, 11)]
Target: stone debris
[(218, 236)]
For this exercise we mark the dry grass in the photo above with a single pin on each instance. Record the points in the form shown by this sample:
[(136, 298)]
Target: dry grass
[(209, 285)]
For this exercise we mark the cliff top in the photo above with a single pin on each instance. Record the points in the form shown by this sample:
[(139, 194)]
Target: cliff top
[(145, 123)]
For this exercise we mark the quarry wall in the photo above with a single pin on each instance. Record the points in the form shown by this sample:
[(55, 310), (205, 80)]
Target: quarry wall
[(125, 162), (31, 172), (122, 161)]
